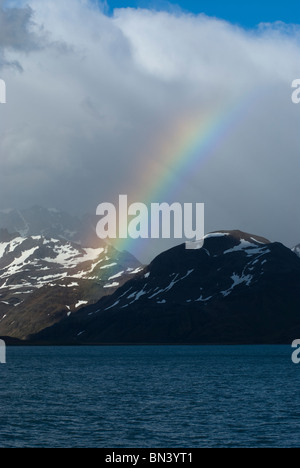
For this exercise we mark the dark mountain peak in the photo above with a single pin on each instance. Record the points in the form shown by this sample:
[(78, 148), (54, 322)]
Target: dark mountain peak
[(215, 244), (241, 236), (219, 242), (237, 288)]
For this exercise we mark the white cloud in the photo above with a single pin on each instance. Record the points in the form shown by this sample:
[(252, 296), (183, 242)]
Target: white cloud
[(97, 95)]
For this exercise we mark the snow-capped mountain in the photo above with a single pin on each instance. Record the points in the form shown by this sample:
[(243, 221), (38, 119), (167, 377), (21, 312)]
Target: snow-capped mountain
[(296, 250), (238, 288), (44, 279), (49, 222)]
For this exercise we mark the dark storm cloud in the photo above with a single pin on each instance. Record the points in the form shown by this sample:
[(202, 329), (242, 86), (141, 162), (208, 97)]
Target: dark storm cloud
[(14, 28), (17, 34)]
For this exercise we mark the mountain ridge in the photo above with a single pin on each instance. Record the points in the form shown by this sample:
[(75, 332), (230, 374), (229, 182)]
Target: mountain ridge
[(44, 279), (51, 222), (238, 288)]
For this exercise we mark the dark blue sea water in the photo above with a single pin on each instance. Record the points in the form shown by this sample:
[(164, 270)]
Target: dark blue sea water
[(150, 397)]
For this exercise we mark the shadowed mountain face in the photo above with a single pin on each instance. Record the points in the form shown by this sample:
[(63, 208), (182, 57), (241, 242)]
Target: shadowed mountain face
[(43, 280), (238, 288)]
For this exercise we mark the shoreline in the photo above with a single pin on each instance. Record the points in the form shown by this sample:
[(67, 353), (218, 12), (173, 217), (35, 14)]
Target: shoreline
[(19, 343)]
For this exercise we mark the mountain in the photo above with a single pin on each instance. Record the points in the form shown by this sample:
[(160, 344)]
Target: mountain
[(238, 288), (50, 222), (43, 280), (296, 250)]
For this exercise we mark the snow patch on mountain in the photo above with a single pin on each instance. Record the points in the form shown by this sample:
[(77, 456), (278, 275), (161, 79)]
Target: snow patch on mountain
[(296, 250), (80, 303), (248, 247), (118, 275), (111, 285), (236, 281), (28, 264)]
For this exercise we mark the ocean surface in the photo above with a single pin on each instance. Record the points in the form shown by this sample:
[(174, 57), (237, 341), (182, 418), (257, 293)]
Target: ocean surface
[(150, 397)]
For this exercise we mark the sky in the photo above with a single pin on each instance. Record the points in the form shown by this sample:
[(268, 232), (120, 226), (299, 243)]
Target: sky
[(246, 13), (164, 102)]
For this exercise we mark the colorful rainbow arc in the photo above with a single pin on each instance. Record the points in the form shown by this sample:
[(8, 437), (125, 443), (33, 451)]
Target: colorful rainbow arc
[(180, 155)]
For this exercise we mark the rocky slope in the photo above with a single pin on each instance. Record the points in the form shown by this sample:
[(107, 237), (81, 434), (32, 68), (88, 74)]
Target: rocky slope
[(43, 280)]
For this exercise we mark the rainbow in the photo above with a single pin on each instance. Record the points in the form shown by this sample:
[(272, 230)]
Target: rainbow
[(182, 150)]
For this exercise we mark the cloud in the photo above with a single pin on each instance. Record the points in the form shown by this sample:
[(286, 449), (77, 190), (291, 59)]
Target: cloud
[(14, 24), (100, 97), (16, 33)]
